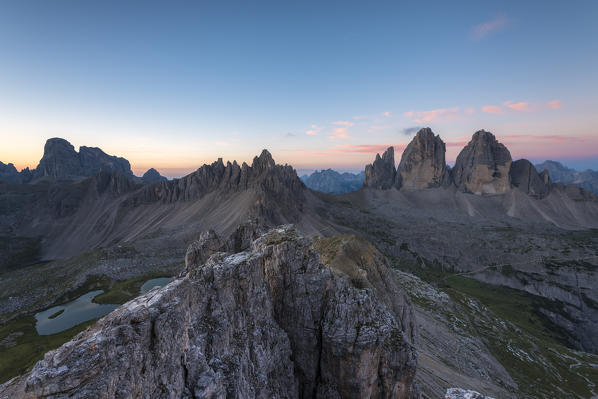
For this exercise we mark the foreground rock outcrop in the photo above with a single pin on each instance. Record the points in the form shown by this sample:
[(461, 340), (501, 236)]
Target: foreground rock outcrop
[(423, 164), (482, 167), (270, 321)]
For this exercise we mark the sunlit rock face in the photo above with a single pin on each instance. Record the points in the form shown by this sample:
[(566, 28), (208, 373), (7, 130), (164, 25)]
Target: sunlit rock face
[(423, 163), (482, 167)]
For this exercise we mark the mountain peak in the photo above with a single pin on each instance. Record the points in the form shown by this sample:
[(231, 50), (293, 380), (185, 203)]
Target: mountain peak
[(482, 167), (423, 162), (61, 161), (264, 161), (381, 174)]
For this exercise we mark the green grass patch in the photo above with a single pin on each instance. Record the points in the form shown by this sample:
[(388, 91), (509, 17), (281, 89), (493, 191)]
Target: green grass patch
[(518, 307), (21, 347), (119, 292)]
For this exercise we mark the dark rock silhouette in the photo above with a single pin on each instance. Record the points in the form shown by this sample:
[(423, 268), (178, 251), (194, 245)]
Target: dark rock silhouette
[(381, 174)]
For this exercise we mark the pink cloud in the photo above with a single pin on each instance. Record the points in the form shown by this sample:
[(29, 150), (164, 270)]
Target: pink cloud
[(432, 115), (315, 129), (482, 30), (469, 110), (492, 109), (340, 133), (554, 104), (343, 123), (550, 138), (387, 113), (517, 106)]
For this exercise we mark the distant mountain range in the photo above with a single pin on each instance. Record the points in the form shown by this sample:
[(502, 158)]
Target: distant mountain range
[(330, 181), (559, 173), (499, 263), (61, 162)]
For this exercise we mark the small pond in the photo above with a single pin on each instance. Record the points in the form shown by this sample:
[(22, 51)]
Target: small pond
[(63, 317), (155, 282)]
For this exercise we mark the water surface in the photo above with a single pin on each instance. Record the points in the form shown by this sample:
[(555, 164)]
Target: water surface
[(155, 282), (75, 312)]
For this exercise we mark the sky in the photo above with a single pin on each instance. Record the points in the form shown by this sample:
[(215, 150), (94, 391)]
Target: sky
[(174, 85)]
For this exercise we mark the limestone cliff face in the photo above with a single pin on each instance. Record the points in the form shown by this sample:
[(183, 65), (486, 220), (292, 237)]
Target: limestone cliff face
[(482, 167), (423, 164), (381, 174), (525, 176), (268, 322)]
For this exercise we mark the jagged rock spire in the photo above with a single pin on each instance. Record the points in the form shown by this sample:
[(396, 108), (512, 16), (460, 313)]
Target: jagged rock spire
[(381, 174)]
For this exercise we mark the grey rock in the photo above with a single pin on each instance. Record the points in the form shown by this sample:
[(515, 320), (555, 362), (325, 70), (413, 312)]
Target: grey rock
[(152, 176), (9, 174), (61, 161), (423, 162), (271, 321), (330, 181), (525, 176), (381, 174), (482, 167), (460, 393)]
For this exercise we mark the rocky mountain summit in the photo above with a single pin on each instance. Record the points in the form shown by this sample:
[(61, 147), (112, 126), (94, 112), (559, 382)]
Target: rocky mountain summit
[(482, 167), (61, 161), (269, 321), (152, 176), (423, 164), (381, 174), (330, 181)]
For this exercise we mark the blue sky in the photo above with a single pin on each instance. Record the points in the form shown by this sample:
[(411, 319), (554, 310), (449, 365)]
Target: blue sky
[(321, 84)]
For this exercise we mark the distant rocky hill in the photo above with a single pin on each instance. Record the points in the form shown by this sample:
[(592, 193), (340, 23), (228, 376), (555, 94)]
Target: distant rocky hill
[(330, 181), (559, 173), (152, 176), (61, 162)]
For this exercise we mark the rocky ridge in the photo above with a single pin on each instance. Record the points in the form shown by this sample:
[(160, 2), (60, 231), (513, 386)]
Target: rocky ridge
[(483, 167), (269, 321), (587, 179)]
